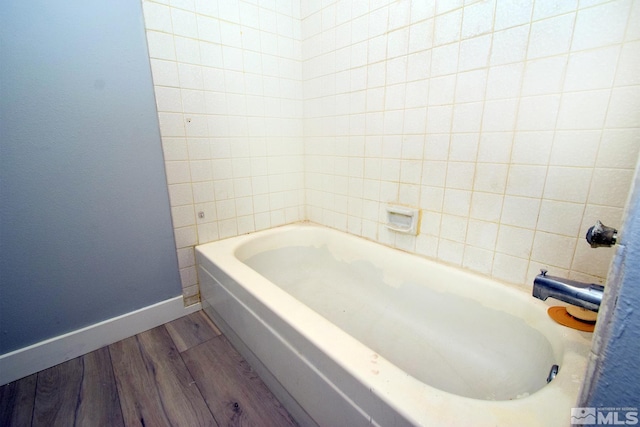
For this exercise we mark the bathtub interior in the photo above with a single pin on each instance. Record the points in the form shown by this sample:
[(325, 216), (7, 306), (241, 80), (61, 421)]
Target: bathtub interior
[(441, 338)]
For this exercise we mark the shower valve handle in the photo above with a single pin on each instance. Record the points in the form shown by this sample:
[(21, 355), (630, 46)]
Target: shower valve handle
[(601, 235)]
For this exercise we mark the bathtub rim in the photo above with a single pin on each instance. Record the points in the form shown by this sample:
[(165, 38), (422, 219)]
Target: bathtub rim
[(396, 387)]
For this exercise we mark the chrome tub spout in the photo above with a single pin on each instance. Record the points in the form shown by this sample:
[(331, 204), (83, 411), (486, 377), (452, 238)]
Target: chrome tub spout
[(585, 295)]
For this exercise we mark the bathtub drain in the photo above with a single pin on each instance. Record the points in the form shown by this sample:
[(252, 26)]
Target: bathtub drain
[(552, 373)]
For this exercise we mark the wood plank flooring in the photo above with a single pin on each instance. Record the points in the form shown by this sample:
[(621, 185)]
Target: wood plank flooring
[(183, 373)]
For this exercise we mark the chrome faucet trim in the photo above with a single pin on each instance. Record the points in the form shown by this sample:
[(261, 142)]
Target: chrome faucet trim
[(601, 236), (586, 295)]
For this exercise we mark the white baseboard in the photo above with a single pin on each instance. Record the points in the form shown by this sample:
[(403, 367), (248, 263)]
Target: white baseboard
[(45, 354)]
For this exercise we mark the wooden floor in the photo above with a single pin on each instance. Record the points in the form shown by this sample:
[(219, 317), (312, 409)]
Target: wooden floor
[(183, 373)]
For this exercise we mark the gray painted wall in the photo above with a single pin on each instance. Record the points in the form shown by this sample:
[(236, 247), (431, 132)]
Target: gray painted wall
[(85, 226), (613, 374)]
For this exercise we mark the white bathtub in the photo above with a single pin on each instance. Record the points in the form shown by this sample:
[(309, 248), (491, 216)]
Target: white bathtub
[(348, 332)]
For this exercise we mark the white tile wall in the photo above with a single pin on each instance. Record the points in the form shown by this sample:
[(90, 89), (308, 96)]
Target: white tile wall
[(228, 85), (527, 114), (513, 125)]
